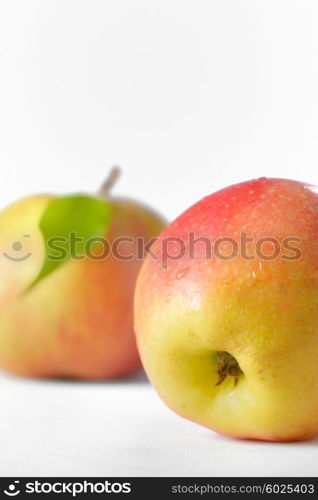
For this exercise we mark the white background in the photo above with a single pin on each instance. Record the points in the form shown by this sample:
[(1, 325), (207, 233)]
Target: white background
[(187, 96)]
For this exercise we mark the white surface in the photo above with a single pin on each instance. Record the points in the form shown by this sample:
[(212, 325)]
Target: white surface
[(188, 96), (123, 429)]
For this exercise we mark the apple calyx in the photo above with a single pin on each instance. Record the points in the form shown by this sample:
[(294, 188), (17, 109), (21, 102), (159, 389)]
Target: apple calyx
[(227, 365)]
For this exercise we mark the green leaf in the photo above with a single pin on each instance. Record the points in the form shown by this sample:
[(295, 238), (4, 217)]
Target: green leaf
[(67, 217)]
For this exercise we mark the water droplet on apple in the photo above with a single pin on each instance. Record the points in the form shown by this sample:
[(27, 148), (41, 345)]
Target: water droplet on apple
[(168, 298), (180, 274)]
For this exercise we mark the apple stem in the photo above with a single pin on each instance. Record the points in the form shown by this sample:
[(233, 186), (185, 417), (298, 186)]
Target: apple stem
[(109, 182)]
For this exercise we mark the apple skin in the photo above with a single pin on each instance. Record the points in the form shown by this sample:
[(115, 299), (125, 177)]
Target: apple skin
[(78, 321), (262, 312)]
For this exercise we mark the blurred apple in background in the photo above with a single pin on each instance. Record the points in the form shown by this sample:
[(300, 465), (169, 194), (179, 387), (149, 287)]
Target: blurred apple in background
[(70, 317), (231, 342)]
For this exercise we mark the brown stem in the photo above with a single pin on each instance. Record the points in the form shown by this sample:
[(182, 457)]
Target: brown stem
[(109, 182)]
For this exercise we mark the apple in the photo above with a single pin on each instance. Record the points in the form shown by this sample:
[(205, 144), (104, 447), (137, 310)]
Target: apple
[(71, 315), (230, 340)]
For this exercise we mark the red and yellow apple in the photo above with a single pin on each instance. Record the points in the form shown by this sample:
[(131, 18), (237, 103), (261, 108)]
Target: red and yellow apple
[(77, 321), (230, 341)]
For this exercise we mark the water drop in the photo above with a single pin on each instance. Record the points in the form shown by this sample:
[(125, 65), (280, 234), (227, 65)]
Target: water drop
[(180, 274)]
